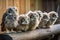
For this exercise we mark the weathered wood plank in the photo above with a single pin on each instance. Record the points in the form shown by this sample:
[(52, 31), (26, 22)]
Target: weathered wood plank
[(36, 34)]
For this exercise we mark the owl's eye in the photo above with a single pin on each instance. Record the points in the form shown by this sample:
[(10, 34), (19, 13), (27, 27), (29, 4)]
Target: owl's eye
[(14, 17), (39, 14), (15, 9), (54, 15), (10, 10), (22, 19), (36, 15)]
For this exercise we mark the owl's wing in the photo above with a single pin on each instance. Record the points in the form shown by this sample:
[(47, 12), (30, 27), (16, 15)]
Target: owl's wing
[(3, 19)]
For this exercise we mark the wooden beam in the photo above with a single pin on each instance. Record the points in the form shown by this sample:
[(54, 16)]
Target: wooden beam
[(36, 34)]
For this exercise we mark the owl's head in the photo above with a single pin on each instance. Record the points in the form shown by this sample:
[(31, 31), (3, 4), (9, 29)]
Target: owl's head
[(12, 8), (12, 12), (23, 19), (40, 15), (32, 15), (46, 16), (53, 15)]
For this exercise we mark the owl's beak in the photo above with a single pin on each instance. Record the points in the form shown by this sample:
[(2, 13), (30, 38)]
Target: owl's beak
[(10, 13), (54, 18), (24, 23), (46, 19), (32, 19)]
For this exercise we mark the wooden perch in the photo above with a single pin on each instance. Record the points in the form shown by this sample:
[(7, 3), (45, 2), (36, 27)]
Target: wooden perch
[(36, 34)]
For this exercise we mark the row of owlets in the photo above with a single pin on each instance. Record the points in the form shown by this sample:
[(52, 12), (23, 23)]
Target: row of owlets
[(26, 22)]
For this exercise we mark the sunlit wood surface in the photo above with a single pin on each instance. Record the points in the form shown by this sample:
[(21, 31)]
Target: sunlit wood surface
[(35, 34)]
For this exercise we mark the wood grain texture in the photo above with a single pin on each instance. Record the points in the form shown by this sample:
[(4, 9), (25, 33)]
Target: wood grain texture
[(32, 5), (36, 34), (27, 5), (22, 4), (16, 4)]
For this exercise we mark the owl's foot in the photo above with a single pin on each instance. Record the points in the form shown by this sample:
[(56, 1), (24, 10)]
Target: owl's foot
[(7, 31), (12, 30)]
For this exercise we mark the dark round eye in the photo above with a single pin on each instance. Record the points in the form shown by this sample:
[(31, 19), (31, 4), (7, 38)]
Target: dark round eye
[(22, 19), (39, 14), (54, 15), (31, 16), (10, 10), (15, 9), (14, 17)]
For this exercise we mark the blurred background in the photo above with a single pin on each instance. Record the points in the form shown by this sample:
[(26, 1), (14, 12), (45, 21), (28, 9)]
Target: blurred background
[(25, 5)]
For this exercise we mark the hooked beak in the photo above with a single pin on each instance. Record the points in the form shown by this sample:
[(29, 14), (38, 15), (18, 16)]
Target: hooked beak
[(24, 23), (46, 19), (54, 18)]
